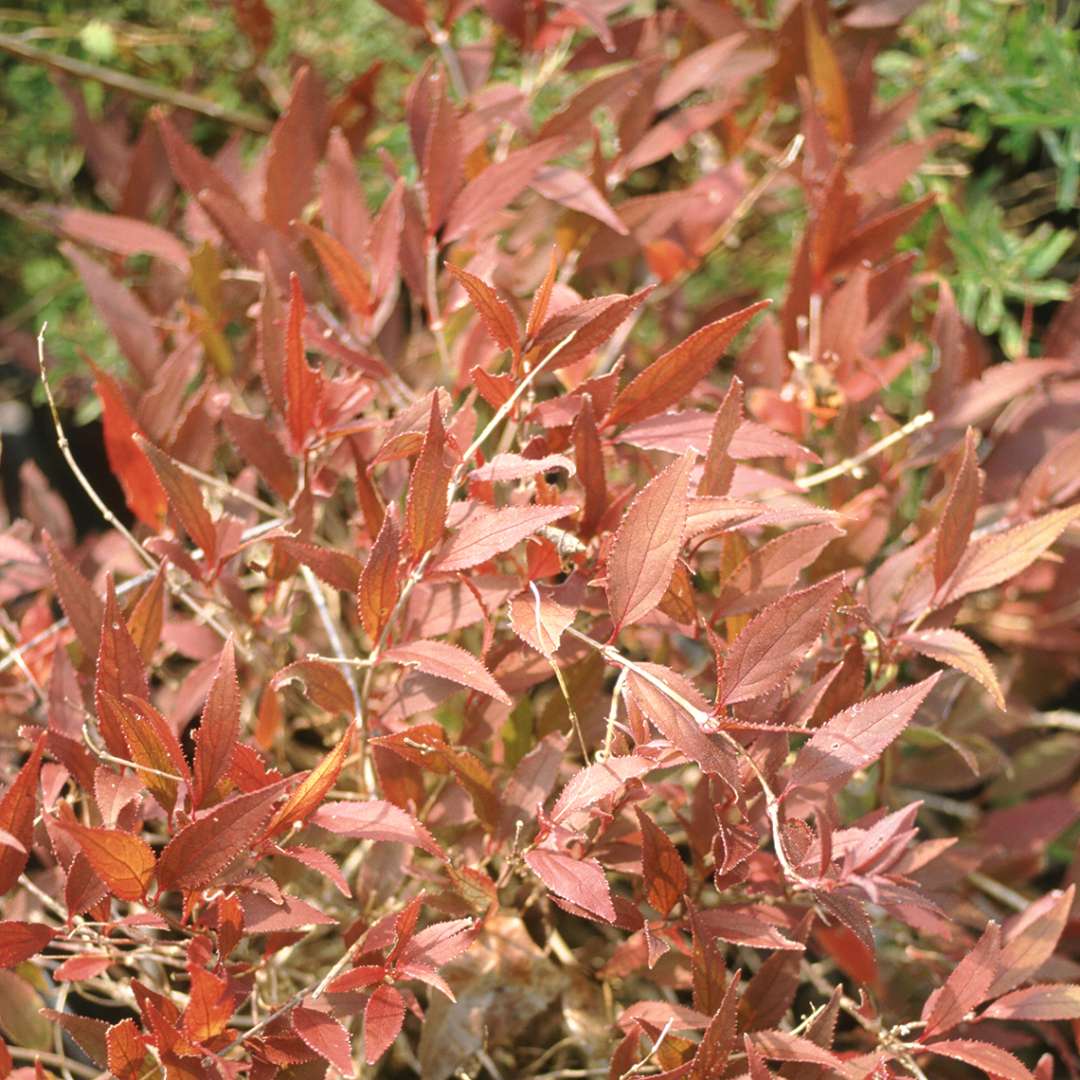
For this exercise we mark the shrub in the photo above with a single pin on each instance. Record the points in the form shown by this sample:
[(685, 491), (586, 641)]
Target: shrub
[(474, 684)]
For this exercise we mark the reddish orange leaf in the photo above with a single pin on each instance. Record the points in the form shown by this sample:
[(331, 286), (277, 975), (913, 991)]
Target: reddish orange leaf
[(119, 672), (202, 850), (81, 604), (210, 1006), (485, 533), (498, 319), (589, 459), (124, 862), (323, 1034), (642, 557), (426, 505), (185, 498), (958, 518), (218, 729), (17, 811), (670, 379), (126, 1050), (828, 79), (957, 650), (153, 745), (348, 276), (20, 941), (719, 464), (379, 585), (309, 794), (662, 867), (383, 1016), (148, 616), (143, 492), (323, 682)]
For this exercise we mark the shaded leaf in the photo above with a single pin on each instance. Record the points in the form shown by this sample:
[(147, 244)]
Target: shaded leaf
[(447, 661), (958, 517), (379, 585), (375, 819), (994, 1061), (185, 498), (957, 650), (20, 941), (662, 868), (581, 881), (215, 738), (426, 505)]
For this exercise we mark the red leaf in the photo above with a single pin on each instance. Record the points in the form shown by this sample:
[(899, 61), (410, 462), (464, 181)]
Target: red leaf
[(219, 728), (496, 187), (375, 819), (531, 783), (124, 314), (743, 927), (293, 152), (447, 661), (646, 546), (143, 492), (581, 881), (594, 331), (967, 985), (81, 604), (774, 642), (595, 782), (719, 467), (338, 569), (383, 1016), (426, 505), (503, 467), (540, 620), (1054, 1001), (309, 794), (995, 559), (303, 386), (718, 1040), (441, 155), (768, 571), (323, 683), (349, 278), (484, 533), (957, 650), (152, 744), (323, 1034), (185, 498), (20, 941), (589, 458), (1030, 939), (662, 868), (124, 862), (210, 844), (126, 1050), (854, 738), (122, 235), (576, 191), (498, 319), (681, 725), (958, 518), (379, 585), (994, 1061), (119, 672), (670, 379), (78, 968)]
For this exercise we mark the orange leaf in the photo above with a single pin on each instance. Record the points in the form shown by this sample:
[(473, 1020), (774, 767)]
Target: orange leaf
[(828, 79), (379, 586), (184, 497), (124, 862), (496, 316), (348, 276), (218, 729), (308, 796), (126, 1049), (662, 867)]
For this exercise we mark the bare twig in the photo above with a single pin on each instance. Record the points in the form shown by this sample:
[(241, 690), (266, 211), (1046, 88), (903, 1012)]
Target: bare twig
[(132, 84)]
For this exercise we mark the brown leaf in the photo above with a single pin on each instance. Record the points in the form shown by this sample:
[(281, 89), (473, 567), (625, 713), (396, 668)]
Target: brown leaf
[(646, 546), (719, 465), (81, 604), (349, 278), (185, 498)]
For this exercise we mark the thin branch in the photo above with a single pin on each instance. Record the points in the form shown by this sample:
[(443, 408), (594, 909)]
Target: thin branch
[(132, 84)]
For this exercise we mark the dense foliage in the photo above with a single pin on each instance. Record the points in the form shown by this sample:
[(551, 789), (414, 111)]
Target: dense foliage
[(485, 675)]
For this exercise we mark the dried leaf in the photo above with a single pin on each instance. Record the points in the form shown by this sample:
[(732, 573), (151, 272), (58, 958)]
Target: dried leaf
[(646, 546)]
